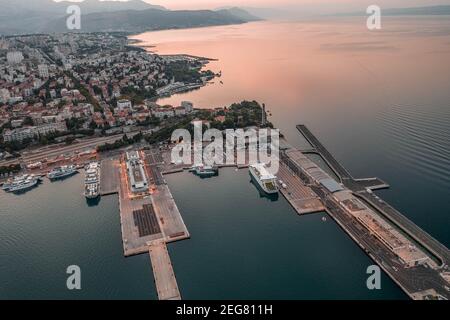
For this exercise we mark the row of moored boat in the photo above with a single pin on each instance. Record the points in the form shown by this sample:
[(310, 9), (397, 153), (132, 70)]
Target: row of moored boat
[(26, 182)]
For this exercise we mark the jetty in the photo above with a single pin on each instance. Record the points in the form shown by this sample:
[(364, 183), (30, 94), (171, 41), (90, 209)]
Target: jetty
[(149, 216), (413, 259), (166, 283)]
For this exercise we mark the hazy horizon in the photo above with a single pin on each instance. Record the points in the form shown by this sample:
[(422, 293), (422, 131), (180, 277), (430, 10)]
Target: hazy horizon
[(304, 6)]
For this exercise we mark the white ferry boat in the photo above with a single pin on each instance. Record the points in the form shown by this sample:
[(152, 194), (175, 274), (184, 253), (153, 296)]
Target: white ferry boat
[(92, 181), (12, 181), (23, 183), (62, 172), (266, 180)]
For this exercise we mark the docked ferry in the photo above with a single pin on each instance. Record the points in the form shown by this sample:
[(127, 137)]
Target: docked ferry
[(92, 181), (12, 181), (62, 172), (22, 183), (266, 180)]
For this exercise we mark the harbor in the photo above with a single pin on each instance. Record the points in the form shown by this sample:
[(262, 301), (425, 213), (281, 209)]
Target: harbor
[(363, 188), (150, 218), (414, 260), (94, 230)]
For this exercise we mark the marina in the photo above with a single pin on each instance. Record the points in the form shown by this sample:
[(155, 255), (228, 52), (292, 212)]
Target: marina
[(150, 218)]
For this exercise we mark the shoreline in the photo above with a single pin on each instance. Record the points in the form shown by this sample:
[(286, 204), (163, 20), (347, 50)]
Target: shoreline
[(136, 43), (139, 45), (133, 34)]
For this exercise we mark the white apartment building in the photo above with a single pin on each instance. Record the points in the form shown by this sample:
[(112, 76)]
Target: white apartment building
[(14, 57), (43, 70), (4, 95), (21, 134), (163, 113), (124, 104)]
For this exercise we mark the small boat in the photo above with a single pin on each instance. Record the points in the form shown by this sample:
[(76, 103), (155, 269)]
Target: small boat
[(204, 171)]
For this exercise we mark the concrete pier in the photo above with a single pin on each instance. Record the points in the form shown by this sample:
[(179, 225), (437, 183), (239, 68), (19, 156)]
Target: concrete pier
[(166, 283), (301, 197), (344, 176), (109, 178), (149, 220), (361, 186), (171, 222), (417, 262), (133, 242)]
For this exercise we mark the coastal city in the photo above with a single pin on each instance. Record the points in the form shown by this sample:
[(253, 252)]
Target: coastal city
[(62, 115), (91, 111), (57, 89)]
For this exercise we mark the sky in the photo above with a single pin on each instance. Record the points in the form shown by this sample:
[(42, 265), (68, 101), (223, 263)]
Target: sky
[(305, 6), (319, 5)]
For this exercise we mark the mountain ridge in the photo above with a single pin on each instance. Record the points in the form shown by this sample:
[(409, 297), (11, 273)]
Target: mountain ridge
[(47, 16), (87, 6), (133, 21)]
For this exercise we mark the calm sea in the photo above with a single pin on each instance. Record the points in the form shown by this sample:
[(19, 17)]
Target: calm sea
[(378, 100)]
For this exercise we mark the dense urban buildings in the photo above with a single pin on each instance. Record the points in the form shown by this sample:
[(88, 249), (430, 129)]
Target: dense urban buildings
[(75, 85), (107, 105)]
